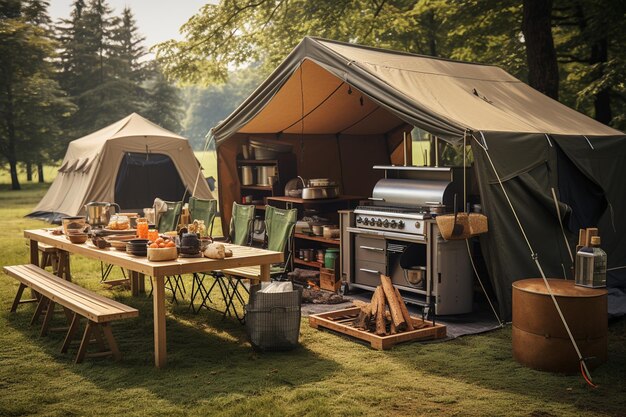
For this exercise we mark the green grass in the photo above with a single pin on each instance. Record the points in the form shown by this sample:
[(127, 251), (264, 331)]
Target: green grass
[(213, 370)]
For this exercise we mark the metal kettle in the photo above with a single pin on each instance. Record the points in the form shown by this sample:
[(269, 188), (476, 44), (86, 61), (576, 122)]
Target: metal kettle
[(99, 212)]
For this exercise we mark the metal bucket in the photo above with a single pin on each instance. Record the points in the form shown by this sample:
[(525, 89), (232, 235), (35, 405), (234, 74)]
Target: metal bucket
[(540, 340)]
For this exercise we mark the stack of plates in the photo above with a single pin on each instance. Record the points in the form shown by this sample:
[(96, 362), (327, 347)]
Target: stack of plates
[(137, 247)]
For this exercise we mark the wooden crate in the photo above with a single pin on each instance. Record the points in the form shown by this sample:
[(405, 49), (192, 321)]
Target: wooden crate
[(329, 280), (342, 321)]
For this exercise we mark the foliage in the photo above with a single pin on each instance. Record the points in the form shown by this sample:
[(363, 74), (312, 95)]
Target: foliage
[(235, 33), (164, 105), (31, 103), (206, 107)]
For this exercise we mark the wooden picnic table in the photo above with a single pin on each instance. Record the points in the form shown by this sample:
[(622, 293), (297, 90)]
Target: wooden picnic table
[(140, 266)]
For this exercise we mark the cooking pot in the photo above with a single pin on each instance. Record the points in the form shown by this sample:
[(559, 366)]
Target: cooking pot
[(99, 212), (314, 193), (246, 176), (264, 173)]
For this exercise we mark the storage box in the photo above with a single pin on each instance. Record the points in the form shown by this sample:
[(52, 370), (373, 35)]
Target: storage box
[(329, 280)]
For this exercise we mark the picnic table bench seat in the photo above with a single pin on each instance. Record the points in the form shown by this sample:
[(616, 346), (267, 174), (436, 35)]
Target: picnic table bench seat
[(78, 302)]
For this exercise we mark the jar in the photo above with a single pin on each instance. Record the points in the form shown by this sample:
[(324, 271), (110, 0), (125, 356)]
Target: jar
[(330, 257), (320, 256), (149, 214), (153, 235), (142, 228)]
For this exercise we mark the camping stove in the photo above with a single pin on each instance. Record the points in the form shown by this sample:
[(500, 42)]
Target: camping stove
[(395, 219), (396, 235)]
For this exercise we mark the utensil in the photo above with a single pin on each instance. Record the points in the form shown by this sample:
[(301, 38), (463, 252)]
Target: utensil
[(99, 212), (315, 193), (77, 237), (247, 177)]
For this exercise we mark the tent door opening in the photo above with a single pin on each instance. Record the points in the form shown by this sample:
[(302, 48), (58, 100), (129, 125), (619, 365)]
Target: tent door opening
[(142, 177)]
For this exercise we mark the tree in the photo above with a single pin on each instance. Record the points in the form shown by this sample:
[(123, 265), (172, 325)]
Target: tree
[(164, 105), (127, 49), (31, 102)]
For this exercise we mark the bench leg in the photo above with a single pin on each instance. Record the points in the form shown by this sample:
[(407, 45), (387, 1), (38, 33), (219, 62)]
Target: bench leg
[(47, 318), (108, 334), (71, 332), (43, 301), (82, 349), (18, 298)]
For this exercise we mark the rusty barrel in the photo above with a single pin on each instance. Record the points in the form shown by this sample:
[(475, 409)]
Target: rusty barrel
[(540, 340)]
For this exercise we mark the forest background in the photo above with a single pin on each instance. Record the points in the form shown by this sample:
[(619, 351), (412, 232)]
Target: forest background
[(60, 80)]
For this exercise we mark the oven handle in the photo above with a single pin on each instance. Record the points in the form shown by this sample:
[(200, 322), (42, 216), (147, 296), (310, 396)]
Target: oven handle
[(375, 198), (371, 248), (371, 271)]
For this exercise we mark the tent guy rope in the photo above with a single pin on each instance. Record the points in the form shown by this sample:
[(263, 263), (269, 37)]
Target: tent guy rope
[(535, 257)]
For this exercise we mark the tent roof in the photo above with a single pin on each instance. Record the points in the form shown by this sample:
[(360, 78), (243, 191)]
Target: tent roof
[(343, 88), (132, 125)]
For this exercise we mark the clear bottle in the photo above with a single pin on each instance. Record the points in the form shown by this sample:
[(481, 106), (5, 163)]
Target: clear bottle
[(591, 265)]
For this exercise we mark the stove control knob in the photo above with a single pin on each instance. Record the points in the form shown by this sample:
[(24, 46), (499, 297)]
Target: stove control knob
[(379, 222), (365, 221), (393, 224), (400, 224), (418, 225), (359, 219), (386, 223)]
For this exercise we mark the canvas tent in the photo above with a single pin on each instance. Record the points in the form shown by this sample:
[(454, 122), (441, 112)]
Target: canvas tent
[(129, 162), (344, 107)]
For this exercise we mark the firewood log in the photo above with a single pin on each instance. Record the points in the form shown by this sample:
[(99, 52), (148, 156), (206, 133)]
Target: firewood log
[(381, 324), (394, 303), (392, 328), (362, 321), (405, 311), (374, 301)]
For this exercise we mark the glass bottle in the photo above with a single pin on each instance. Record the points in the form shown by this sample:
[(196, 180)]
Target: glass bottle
[(591, 265)]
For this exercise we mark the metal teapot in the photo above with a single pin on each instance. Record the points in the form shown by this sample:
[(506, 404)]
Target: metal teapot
[(99, 212)]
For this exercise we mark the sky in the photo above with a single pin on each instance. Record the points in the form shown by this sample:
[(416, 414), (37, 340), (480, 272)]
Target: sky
[(157, 20)]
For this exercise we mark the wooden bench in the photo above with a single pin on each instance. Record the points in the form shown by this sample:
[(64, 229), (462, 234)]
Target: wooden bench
[(79, 302)]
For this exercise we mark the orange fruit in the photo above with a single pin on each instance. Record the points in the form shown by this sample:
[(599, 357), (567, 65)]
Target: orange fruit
[(159, 240), (170, 244), (154, 245)]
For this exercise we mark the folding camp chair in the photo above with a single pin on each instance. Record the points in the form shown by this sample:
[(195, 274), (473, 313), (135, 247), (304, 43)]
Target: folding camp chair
[(205, 210), (168, 221), (279, 227), (239, 234)]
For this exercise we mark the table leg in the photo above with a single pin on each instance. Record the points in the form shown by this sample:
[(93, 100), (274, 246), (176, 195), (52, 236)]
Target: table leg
[(265, 272), (158, 301), (64, 265), (141, 280), (134, 283), (34, 252)]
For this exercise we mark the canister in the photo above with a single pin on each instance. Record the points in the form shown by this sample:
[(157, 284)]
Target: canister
[(330, 257)]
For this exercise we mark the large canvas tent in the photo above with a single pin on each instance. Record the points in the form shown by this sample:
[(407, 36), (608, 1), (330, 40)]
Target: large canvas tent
[(344, 108), (130, 162)]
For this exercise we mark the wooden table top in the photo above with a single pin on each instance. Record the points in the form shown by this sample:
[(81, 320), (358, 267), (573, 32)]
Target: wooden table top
[(242, 256)]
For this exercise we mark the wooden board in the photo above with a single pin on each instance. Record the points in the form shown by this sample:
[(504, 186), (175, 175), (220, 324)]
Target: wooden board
[(341, 321)]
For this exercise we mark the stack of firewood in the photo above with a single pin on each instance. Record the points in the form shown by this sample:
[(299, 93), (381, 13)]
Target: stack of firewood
[(386, 313)]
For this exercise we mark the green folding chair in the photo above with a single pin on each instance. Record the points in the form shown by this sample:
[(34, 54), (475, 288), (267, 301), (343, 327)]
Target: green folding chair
[(168, 221), (279, 227), (240, 229), (205, 210)]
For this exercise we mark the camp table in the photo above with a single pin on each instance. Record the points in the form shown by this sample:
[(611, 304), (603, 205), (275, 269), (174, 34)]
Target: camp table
[(140, 266)]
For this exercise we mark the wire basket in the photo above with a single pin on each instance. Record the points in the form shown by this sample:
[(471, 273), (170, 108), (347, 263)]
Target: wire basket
[(273, 319)]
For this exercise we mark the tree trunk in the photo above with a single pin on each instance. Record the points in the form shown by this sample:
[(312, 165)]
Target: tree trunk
[(29, 171), (40, 172), (543, 70), (602, 101), (10, 155), (15, 182)]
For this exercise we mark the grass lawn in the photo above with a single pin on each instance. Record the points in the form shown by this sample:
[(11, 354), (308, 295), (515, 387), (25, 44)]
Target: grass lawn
[(213, 370)]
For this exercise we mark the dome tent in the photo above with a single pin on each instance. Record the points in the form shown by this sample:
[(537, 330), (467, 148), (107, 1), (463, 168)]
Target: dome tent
[(129, 162)]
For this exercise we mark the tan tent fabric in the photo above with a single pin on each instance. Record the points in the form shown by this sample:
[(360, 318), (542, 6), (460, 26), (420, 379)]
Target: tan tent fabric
[(441, 96), (91, 164)]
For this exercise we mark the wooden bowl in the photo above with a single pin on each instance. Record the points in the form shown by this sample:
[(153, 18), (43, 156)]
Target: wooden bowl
[(77, 237), (162, 254)]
